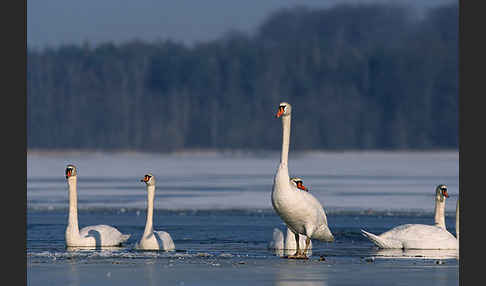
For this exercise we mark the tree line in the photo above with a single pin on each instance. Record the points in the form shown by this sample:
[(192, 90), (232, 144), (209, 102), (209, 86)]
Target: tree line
[(368, 76)]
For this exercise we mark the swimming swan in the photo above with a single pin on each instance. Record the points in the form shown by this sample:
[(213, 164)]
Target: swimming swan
[(89, 236), (420, 236), (301, 211), (153, 240)]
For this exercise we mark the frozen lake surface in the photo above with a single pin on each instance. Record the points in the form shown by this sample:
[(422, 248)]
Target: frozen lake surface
[(353, 181), (217, 209)]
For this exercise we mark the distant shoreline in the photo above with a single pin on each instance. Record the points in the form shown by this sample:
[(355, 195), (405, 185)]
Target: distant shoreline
[(230, 152)]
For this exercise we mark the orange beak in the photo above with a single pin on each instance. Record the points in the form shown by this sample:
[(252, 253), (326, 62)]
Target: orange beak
[(68, 174), (280, 112), (145, 179), (444, 192), (301, 186)]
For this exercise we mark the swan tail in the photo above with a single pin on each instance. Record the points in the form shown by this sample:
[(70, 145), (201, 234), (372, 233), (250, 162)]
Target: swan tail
[(323, 233), (381, 242)]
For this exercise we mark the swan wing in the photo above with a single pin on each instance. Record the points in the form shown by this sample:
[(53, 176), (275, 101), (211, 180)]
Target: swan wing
[(417, 232), (103, 235), (301, 211), (417, 236), (165, 240), (386, 243)]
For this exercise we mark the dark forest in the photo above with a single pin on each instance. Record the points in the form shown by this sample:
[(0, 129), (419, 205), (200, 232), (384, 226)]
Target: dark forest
[(359, 77)]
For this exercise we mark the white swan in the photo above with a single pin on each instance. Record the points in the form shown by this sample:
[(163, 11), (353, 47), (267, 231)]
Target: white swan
[(301, 211), (289, 246), (89, 236), (153, 240), (420, 236), (298, 183)]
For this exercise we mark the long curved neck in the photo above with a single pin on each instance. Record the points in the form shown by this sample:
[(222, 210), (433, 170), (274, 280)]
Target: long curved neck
[(457, 219), (150, 210), (285, 140), (73, 206), (439, 217)]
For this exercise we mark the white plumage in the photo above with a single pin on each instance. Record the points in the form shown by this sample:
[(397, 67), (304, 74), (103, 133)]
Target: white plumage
[(153, 240), (420, 236), (89, 236), (301, 211)]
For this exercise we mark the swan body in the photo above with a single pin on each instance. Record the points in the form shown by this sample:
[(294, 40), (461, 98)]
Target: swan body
[(89, 236), (277, 243), (301, 211), (414, 236), (96, 235), (419, 236), (289, 245), (153, 240)]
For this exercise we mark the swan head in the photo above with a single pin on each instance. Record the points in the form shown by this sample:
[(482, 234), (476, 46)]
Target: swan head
[(148, 179), (71, 171), (284, 109), (441, 192), (298, 183)]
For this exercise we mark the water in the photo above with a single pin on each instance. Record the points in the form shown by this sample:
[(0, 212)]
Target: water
[(217, 209)]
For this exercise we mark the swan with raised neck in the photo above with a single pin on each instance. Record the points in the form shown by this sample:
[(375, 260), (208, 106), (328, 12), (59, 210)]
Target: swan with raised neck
[(439, 211), (89, 236), (420, 236), (153, 240), (301, 211)]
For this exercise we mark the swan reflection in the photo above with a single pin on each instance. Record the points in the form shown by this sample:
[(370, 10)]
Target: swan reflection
[(297, 274), (418, 253), (87, 248)]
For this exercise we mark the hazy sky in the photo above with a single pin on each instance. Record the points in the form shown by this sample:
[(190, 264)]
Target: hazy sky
[(55, 22)]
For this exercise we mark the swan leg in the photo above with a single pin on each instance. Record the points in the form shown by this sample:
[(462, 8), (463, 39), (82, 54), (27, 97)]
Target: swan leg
[(299, 254), (307, 243)]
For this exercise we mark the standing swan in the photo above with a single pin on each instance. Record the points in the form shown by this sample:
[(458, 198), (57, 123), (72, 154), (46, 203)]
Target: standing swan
[(153, 240), (301, 211), (278, 243), (90, 236), (420, 236)]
